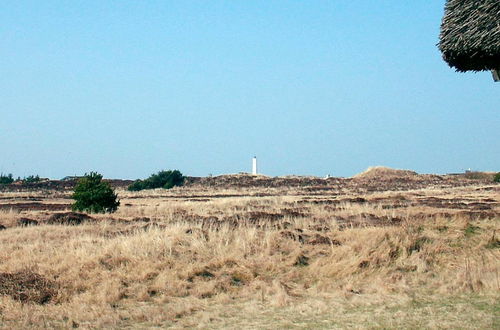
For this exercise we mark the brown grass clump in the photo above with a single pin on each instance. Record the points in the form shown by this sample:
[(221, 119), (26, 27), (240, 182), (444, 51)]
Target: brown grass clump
[(27, 287), (23, 222), (68, 218)]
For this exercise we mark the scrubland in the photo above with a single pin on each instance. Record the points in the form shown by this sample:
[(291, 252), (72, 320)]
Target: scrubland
[(329, 256)]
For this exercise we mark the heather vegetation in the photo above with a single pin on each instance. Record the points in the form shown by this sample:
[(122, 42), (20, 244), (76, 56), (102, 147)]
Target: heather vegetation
[(386, 249)]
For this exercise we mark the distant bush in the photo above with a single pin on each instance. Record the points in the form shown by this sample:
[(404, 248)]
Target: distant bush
[(162, 179), (93, 195), (31, 179), (496, 178), (475, 175), (6, 178)]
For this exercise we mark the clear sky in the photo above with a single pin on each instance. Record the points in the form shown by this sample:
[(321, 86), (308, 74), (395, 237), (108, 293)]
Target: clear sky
[(127, 88)]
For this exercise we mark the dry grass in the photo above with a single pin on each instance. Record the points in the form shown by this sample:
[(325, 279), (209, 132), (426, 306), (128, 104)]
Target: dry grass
[(263, 258), (382, 171)]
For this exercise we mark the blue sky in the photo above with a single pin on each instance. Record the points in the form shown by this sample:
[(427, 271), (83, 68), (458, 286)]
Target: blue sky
[(127, 88)]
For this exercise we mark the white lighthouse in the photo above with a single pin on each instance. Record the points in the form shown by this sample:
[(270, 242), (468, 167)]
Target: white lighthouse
[(254, 165)]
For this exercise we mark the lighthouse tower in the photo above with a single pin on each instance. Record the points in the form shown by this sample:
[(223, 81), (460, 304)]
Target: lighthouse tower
[(254, 165)]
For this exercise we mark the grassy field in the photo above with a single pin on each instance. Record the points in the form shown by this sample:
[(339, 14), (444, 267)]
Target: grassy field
[(308, 256)]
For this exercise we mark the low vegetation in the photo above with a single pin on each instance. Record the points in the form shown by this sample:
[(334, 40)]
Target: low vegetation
[(6, 178), (31, 179), (338, 255), (93, 195), (163, 179)]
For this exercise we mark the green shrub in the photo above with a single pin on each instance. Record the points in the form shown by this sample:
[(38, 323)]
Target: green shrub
[(31, 179), (162, 179), (470, 230), (6, 178), (93, 195), (496, 178)]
